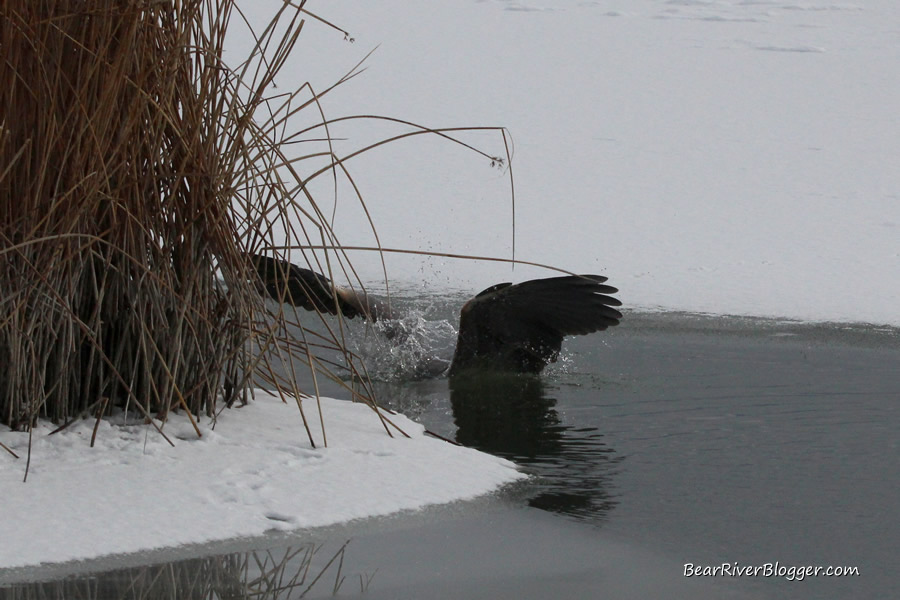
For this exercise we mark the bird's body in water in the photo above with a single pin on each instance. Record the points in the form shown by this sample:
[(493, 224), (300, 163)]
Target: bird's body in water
[(520, 327), (507, 327)]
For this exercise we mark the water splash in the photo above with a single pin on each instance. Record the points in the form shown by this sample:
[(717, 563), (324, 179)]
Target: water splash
[(410, 348)]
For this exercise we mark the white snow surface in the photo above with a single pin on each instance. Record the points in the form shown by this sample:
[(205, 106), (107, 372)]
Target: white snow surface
[(254, 472), (724, 156)]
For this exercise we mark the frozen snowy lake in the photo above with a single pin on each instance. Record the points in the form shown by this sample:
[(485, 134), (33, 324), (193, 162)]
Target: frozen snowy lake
[(724, 156), (732, 157)]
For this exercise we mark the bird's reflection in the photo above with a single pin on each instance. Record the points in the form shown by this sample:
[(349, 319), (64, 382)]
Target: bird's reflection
[(513, 415), (505, 414)]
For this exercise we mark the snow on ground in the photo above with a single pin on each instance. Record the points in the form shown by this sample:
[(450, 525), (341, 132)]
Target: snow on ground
[(254, 472)]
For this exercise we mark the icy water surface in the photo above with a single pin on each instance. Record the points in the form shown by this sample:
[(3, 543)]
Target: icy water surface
[(713, 440), (673, 439)]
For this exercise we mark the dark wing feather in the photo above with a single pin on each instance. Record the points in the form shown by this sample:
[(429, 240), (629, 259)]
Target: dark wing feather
[(521, 327), (286, 282)]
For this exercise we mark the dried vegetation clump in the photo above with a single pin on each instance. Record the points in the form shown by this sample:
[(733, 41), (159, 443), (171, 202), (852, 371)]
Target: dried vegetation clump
[(135, 177), (138, 174)]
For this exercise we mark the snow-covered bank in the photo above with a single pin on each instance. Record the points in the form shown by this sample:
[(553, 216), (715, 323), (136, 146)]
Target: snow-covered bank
[(255, 472)]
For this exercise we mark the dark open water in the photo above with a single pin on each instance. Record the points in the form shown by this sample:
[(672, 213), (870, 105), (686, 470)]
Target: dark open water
[(673, 439)]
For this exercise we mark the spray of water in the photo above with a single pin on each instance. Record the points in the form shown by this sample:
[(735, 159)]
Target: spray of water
[(415, 346)]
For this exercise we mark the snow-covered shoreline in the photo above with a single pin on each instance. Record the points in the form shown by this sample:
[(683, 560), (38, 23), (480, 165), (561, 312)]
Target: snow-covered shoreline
[(254, 472)]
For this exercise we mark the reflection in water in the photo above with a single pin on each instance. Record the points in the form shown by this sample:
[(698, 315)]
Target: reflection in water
[(257, 575), (512, 416)]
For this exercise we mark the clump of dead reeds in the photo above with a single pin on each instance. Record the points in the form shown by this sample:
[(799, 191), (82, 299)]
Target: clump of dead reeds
[(125, 146), (138, 172)]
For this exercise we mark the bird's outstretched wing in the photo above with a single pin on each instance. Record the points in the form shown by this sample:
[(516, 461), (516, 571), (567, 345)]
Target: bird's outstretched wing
[(288, 283), (521, 327)]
